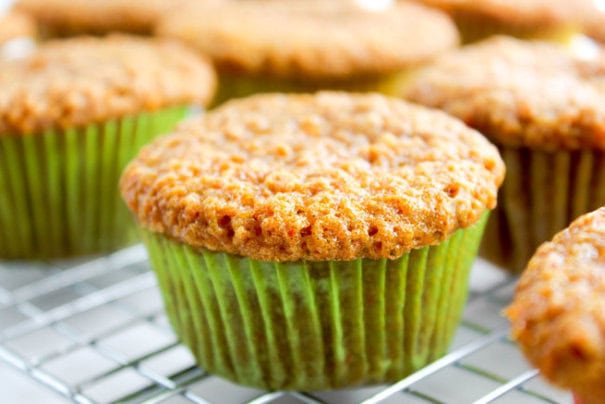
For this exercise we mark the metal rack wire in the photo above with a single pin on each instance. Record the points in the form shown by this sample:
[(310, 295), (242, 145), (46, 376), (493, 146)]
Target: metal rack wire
[(94, 331)]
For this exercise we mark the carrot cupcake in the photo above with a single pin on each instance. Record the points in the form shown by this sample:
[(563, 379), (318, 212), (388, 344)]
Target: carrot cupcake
[(555, 20), (60, 18), (71, 115), (314, 241), (558, 312), (545, 109), (301, 46)]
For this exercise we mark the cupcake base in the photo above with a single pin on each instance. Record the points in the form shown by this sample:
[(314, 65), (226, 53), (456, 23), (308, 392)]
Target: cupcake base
[(315, 325), (241, 85), (59, 189), (543, 192)]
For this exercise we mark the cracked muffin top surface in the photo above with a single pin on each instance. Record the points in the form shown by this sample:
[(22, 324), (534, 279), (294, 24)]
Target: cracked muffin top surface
[(329, 176)]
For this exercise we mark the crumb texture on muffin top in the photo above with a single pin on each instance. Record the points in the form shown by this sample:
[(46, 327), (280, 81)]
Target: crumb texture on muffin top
[(85, 80), (312, 39), (520, 93), (558, 312), (331, 176)]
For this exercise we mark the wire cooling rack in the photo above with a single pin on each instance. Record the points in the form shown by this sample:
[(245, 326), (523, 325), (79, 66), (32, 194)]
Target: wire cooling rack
[(94, 331)]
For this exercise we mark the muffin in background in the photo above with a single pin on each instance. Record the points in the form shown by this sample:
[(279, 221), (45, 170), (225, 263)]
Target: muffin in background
[(558, 311), (17, 35), (594, 25), (304, 46), (553, 20), (14, 25), (544, 108), (314, 242), (71, 116), (62, 18)]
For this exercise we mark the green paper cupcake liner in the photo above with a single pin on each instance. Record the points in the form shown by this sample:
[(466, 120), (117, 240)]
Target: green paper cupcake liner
[(243, 85), (543, 192), (315, 325), (59, 189), (474, 28)]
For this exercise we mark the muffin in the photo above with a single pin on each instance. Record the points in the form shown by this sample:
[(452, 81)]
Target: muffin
[(15, 25), (594, 25), (303, 46), (318, 241), (60, 18), (72, 114), (558, 312), (17, 34), (545, 110), (555, 20)]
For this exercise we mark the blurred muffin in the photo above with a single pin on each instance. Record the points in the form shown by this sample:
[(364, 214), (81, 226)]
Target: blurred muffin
[(555, 20), (60, 18), (14, 25), (545, 109), (558, 312), (314, 241), (71, 115), (302, 46), (594, 25), (17, 34)]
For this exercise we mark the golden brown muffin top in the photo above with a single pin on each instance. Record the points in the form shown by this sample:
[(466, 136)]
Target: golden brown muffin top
[(519, 93), (558, 312), (73, 17), (312, 39), (330, 176), (15, 25), (84, 80), (518, 12)]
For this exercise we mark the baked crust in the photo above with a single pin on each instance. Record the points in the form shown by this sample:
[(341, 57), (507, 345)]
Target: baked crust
[(558, 312), (15, 25), (331, 176), (84, 80), (312, 39), (519, 93), (74, 17), (531, 13)]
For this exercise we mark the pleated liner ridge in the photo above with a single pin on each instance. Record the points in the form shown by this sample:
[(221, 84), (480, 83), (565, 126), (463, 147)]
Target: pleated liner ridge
[(315, 325), (59, 189), (543, 192)]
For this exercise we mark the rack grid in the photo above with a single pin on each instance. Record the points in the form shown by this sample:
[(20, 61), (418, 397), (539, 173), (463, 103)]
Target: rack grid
[(94, 331)]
